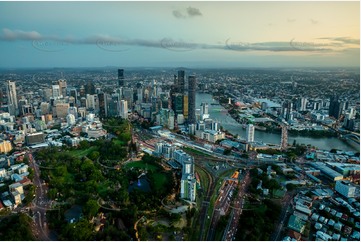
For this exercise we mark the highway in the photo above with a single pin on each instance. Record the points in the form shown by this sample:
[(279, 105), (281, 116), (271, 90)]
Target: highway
[(40, 205), (222, 204), (206, 202), (286, 201), (237, 207)]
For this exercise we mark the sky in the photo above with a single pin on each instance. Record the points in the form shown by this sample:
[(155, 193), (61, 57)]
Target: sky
[(179, 34)]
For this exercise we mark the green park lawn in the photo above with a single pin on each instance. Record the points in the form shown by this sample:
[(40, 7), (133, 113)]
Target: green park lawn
[(118, 142), (160, 178), (81, 153), (141, 165)]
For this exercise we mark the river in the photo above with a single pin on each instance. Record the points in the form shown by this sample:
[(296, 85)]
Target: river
[(220, 114)]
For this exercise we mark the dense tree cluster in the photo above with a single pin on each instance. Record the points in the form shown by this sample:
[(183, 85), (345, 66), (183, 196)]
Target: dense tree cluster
[(258, 224), (93, 172), (16, 227)]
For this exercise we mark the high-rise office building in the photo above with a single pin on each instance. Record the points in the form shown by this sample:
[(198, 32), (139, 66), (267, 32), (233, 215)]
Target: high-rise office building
[(73, 111), (82, 91), (124, 109), (113, 105), (90, 88), (139, 95), (192, 86), (128, 94), (62, 87), (74, 94), (45, 108), (61, 109), (90, 100), (250, 133), (121, 81), (287, 110), (102, 104), (56, 91), (180, 82), (12, 97), (185, 106), (302, 104), (177, 103), (204, 111), (336, 107)]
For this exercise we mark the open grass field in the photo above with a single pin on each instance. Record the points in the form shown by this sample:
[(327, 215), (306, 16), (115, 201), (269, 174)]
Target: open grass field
[(160, 180), (118, 142), (81, 153), (141, 165)]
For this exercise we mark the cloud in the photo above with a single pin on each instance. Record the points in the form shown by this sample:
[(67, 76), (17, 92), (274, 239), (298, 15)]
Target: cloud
[(20, 35), (193, 12), (189, 12), (313, 21), (178, 14), (325, 44), (343, 40), (281, 46), (289, 20)]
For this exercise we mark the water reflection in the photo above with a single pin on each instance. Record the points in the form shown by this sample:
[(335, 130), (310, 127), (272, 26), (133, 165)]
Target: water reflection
[(219, 114)]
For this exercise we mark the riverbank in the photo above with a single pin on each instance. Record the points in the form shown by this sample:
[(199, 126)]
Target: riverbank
[(276, 129), (218, 114)]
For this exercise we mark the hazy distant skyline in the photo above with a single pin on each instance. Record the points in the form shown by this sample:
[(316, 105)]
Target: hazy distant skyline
[(172, 34)]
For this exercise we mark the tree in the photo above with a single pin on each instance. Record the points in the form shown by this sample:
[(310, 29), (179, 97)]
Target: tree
[(94, 155), (81, 230), (91, 208), (227, 152), (333, 150), (84, 144), (16, 227), (245, 155), (290, 187)]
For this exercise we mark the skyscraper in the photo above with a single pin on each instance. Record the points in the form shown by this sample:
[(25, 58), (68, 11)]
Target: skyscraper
[(204, 111), (177, 103), (185, 106), (250, 133), (192, 86), (124, 109), (180, 82), (102, 104), (336, 107), (12, 97), (121, 82), (74, 94), (90, 88), (62, 87)]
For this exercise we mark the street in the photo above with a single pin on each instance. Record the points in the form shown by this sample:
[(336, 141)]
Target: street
[(40, 205)]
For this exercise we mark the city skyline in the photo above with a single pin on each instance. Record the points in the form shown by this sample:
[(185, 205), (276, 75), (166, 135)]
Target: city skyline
[(173, 34)]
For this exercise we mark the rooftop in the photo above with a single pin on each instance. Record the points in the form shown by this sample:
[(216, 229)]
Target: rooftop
[(295, 223)]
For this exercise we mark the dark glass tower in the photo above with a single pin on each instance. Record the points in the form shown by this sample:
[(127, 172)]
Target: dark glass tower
[(336, 107), (180, 82), (192, 86), (90, 88), (121, 82)]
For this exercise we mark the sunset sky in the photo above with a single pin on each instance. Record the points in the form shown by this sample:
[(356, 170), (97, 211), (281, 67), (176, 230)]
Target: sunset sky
[(173, 34)]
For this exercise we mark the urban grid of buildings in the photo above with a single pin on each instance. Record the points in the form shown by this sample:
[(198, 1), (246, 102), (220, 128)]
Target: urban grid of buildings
[(34, 119)]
